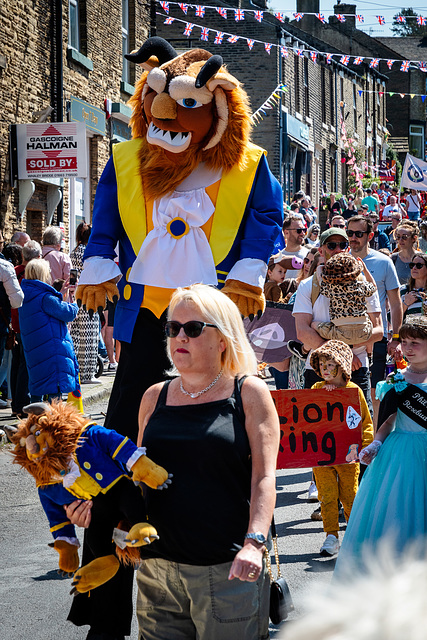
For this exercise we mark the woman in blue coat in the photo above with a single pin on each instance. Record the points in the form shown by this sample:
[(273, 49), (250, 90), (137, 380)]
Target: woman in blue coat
[(49, 351)]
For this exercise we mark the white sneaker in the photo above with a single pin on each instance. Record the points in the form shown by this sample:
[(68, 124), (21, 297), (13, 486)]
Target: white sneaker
[(112, 366), (3, 404), (331, 546), (313, 495)]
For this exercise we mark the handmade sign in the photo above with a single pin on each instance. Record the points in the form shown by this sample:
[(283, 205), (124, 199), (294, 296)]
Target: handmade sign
[(268, 335), (318, 428)]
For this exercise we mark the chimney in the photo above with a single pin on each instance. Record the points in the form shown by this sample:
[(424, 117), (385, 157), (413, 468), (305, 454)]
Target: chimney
[(308, 23)]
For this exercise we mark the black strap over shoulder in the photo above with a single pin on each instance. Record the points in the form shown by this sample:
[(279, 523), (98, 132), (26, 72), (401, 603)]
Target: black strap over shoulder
[(238, 383), (412, 401)]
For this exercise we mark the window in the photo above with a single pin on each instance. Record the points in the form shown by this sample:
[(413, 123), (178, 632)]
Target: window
[(74, 27), (416, 140), (296, 81), (125, 40), (354, 108), (306, 91), (323, 93)]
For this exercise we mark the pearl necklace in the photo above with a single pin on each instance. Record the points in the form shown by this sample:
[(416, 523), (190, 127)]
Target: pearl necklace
[(416, 372), (196, 394)]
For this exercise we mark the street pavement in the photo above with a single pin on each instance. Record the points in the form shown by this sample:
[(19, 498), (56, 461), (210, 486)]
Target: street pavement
[(34, 600)]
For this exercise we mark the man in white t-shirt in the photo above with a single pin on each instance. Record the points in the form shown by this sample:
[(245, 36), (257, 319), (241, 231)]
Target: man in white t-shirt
[(294, 232), (333, 241)]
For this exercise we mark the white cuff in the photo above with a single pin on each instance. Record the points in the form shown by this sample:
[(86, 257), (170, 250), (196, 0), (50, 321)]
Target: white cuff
[(73, 541), (249, 270), (97, 270), (141, 451)]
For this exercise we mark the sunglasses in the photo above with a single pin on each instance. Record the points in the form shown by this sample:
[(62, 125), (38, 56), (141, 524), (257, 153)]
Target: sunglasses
[(298, 230), (358, 234), (192, 329), (333, 245), (404, 236), (417, 265)]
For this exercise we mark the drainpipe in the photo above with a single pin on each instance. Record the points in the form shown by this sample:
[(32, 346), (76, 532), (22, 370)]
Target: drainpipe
[(57, 76), (336, 131)]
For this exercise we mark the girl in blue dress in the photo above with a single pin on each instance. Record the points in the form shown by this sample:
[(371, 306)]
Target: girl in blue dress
[(391, 504)]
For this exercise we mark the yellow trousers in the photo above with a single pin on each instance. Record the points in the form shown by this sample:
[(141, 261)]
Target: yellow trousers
[(335, 483)]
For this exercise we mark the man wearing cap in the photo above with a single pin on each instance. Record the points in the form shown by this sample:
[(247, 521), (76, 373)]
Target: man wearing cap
[(370, 201), (360, 233), (311, 306)]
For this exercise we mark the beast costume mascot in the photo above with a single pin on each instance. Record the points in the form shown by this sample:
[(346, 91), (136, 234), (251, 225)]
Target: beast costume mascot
[(189, 199)]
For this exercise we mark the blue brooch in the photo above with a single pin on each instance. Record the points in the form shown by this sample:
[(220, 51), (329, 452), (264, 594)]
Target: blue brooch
[(398, 380)]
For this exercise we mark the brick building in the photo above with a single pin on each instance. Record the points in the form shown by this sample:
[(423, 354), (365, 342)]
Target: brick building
[(304, 136), (66, 55)]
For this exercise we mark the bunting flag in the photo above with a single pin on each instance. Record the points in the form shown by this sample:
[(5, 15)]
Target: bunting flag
[(400, 19), (259, 15), (313, 56), (200, 11), (284, 52), (298, 16), (222, 12), (374, 63), (321, 18), (381, 19), (345, 60), (188, 29), (299, 52), (280, 16), (328, 58), (169, 20), (423, 66), (204, 34), (165, 6), (405, 66), (390, 63), (267, 47), (250, 43), (233, 39), (340, 17), (239, 14), (358, 60), (421, 21), (219, 37), (360, 18), (360, 92), (272, 101), (184, 7)]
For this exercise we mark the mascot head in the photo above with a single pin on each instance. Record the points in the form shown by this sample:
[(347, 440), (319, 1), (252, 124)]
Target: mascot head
[(189, 109), (46, 441)]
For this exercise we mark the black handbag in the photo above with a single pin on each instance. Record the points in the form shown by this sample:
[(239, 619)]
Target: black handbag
[(280, 597)]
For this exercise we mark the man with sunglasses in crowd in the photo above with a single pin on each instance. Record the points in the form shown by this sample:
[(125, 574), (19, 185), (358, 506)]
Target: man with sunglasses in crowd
[(294, 232), (360, 232), (380, 239), (311, 306)]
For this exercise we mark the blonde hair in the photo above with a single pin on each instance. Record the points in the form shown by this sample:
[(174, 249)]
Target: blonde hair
[(38, 269), (216, 308)]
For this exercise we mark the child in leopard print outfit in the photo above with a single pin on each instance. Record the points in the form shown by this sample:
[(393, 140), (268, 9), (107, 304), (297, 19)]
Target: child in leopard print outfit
[(343, 283)]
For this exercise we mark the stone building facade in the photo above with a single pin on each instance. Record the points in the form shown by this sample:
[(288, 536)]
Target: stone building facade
[(60, 61)]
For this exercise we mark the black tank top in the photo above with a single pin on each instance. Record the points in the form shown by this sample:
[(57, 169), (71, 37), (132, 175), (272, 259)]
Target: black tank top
[(203, 516)]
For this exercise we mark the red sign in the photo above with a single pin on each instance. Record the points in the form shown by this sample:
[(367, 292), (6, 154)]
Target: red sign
[(387, 170), (318, 428), (51, 164)]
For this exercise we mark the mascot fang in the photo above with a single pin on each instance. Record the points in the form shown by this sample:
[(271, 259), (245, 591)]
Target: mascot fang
[(71, 459)]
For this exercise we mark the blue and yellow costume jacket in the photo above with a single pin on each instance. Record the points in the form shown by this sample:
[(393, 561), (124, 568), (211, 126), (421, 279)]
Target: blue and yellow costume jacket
[(246, 221), (101, 460)]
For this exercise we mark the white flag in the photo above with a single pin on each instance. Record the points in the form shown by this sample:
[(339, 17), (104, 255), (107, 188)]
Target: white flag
[(414, 173)]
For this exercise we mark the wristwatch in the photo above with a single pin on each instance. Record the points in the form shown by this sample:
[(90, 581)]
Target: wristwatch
[(258, 537)]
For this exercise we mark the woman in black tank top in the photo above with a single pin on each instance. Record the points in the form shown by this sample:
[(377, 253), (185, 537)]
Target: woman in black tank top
[(217, 431)]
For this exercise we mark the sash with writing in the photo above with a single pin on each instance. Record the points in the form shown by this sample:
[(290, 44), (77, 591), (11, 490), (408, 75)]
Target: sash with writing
[(412, 401)]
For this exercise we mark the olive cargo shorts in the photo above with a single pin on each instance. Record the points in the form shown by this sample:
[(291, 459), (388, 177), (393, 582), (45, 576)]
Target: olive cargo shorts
[(181, 601)]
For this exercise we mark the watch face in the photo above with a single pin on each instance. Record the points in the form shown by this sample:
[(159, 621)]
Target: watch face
[(258, 537)]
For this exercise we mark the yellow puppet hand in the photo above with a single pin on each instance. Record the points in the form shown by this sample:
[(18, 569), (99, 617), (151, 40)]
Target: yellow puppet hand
[(92, 296), (250, 300), (141, 534), (145, 470), (68, 557), (92, 575)]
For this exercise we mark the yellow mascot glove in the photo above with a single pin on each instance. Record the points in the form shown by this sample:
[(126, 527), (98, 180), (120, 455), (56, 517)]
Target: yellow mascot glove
[(145, 470), (250, 300), (92, 296), (94, 574), (68, 557), (141, 534)]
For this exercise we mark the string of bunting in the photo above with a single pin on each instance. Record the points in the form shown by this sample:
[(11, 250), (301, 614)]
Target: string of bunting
[(239, 14), (423, 96), (271, 102), (343, 59)]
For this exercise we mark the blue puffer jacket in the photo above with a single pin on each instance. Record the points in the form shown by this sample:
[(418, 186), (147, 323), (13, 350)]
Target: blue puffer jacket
[(49, 351)]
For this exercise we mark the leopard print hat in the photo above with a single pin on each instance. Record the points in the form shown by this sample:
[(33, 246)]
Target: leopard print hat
[(337, 351), (340, 268)]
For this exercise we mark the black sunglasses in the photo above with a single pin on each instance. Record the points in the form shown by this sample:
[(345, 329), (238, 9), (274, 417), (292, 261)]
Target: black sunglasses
[(358, 234), (417, 265), (333, 245), (192, 328), (298, 230)]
